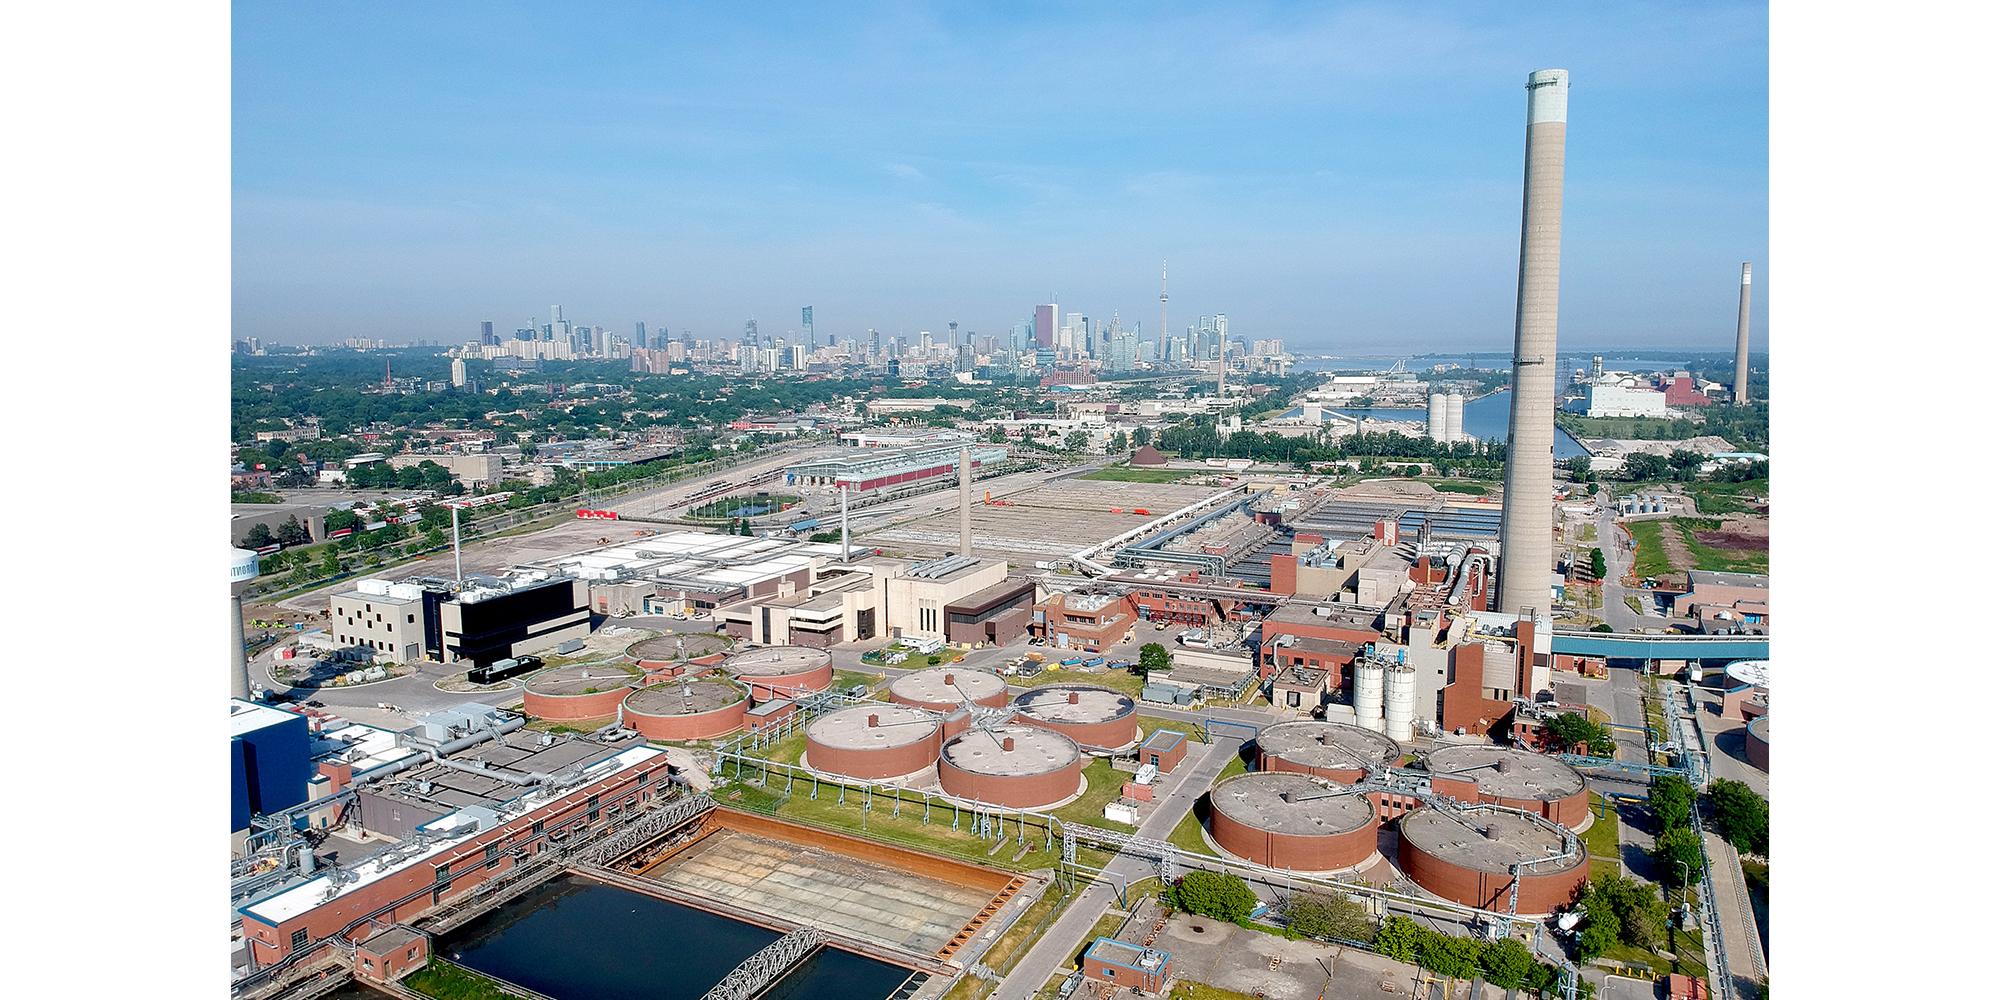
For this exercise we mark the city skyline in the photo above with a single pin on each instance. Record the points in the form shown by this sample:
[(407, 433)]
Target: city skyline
[(1350, 186)]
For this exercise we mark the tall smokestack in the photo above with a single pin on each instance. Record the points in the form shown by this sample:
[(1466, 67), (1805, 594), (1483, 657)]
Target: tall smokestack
[(239, 660), (845, 555), (1527, 518), (1742, 393), (964, 500)]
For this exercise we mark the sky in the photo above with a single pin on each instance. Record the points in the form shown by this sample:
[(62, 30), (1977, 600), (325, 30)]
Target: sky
[(1346, 177)]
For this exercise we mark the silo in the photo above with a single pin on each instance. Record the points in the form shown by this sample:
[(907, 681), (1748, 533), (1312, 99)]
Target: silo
[(1435, 422), (1400, 713), (1454, 417), (1368, 693)]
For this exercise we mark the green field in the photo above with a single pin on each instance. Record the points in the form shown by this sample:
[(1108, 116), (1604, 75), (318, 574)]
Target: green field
[(1454, 486), (907, 830), (446, 981), (1601, 840), (1710, 498), (1124, 682), (1127, 474), (1651, 557), (1104, 785)]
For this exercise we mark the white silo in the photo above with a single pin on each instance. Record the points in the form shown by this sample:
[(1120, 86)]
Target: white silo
[(1401, 711), (1368, 693), (1434, 423), (1454, 417), (1314, 413)]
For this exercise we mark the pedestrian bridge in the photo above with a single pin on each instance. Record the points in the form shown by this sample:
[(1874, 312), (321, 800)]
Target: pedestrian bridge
[(1638, 646)]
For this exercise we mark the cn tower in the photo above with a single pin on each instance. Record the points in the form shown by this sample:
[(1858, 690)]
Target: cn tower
[(1527, 518)]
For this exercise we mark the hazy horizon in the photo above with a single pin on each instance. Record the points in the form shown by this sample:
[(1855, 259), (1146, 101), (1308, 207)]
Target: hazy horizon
[(1346, 179)]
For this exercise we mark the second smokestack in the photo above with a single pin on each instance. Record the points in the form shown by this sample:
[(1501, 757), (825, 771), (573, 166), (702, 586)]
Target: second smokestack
[(1741, 394), (965, 500)]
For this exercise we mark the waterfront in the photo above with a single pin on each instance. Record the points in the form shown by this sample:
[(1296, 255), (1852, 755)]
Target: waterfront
[(1485, 418)]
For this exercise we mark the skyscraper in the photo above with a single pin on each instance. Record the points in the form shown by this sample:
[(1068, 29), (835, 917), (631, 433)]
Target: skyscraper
[(486, 333), (806, 320), (1045, 326), (1527, 517)]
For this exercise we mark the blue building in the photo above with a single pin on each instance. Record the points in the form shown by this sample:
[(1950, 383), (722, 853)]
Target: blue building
[(270, 761)]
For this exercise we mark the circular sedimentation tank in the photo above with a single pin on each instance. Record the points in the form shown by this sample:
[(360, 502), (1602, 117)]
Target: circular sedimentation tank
[(1513, 777), (1097, 718), (782, 671), (942, 689), (1757, 742), (1293, 821), (874, 741), (1018, 767), (1469, 856), (664, 651), (578, 692), (698, 709), (1335, 751)]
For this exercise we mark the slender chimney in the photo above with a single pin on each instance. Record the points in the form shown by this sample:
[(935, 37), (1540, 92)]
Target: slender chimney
[(457, 566), (845, 555), (1527, 517), (1742, 388), (239, 659), (964, 500)]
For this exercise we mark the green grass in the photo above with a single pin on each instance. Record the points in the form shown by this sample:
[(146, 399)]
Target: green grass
[(907, 830), (1020, 936), (1127, 474), (444, 981), (1233, 768), (1453, 486), (1587, 532), (1631, 428), (1187, 836), (1710, 498), (1708, 557), (1106, 926), (844, 679), (1601, 840), (1651, 557), (1688, 958), (1104, 786), (1124, 682), (1189, 990)]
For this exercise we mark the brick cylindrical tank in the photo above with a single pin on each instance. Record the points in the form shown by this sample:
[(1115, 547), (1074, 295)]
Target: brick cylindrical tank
[(1508, 776), (1292, 821), (782, 671), (1018, 767), (699, 709), (873, 741), (942, 689), (665, 652), (1335, 751), (1757, 742), (1099, 719), (1468, 858), (579, 692)]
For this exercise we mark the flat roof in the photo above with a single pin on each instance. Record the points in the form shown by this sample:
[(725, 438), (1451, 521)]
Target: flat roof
[(1331, 745), (771, 661), (248, 717), (1093, 704), (673, 647), (1293, 804), (690, 697), (1508, 772), (929, 685), (1164, 739), (517, 755), (1486, 839), (564, 682), (895, 726), (362, 747), (1128, 955), (1036, 751)]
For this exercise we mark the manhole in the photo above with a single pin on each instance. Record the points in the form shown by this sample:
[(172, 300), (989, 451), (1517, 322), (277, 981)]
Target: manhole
[(1198, 929)]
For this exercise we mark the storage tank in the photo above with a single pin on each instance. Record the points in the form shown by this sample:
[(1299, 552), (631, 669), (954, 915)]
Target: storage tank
[(1017, 767), (1331, 750), (1454, 416), (1368, 693), (1434, 418), (667, 652), (1292, 821), (874, 742), (698, 709), (1468, 856), (1757, 742), (577, 692), (1399, 710), (1509, 776), (782, 671), (942, 689), (1099, 719)]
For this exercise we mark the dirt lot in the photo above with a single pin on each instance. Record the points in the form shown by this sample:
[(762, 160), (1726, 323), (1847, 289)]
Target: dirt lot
[(1742, 534)]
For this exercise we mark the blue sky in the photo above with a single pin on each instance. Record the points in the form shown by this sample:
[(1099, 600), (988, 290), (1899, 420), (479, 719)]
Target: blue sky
[(1347, 177)]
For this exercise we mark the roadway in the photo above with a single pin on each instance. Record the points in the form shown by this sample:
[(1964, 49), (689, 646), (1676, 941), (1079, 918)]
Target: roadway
[(1618, 556)]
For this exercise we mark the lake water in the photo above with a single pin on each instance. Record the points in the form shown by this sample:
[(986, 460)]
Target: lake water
[(1485, 418), (575, 939)]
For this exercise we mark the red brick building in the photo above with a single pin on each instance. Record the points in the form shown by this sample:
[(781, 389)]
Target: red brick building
[(1089, 622), (1128, 966)]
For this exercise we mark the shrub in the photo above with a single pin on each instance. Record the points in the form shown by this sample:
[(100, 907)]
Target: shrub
[(1328, 917), (1224, 897)]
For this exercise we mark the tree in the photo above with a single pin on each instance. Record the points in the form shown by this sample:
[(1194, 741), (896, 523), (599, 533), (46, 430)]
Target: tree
[(1224, 897), (1741, 816), (1677, 853), (1598, 566), (257, 537), (1671, 800), (1623, 909), (433, 536), (1142, 436), (1119, 441), (1411, 472), (1153, 656), (1596, 938), (1327, 917), (1571, 729), (329, 562), (997, 436), (1641, 465), (1076, 441), (1398, 938), (1508, 964), (1449, 955), (338, 519), (293, 532), (1579, 467)]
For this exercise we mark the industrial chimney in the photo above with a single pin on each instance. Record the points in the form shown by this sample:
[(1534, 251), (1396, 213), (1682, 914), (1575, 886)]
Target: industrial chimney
[(1742, 388), (239, 658), (1527, 519), (964, 500), (845, 554)]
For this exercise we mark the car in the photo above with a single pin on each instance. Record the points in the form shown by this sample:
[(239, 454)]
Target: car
[(315, 704)]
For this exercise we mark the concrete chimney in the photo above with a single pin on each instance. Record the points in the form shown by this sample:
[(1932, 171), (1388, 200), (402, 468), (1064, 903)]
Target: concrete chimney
[(1528, 517), (1741, 393), (239, 660), (965, 500), (845, 554)]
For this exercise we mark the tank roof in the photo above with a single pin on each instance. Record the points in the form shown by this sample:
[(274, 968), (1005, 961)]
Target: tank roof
[(1293, 804), (671, 647), (774, 660), (565, 682), (1330, 745), (928, 685), (1093, 704), (1488, 839), (1508, 772), (848, 728), (1036, 751), (704, 694)]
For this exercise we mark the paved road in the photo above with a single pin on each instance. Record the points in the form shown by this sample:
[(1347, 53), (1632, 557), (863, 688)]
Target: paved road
[(1618, 564), (1744, 949), (1066, 936)]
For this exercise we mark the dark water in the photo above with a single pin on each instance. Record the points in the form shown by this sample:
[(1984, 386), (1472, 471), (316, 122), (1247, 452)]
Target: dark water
[(576, 939)]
